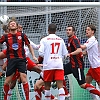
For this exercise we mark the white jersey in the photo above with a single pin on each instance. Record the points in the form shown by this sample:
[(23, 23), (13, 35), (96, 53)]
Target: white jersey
[(52, 49), (27, 52), (93, 52)]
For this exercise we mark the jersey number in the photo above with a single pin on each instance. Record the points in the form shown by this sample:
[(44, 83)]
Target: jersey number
[(55, 48)]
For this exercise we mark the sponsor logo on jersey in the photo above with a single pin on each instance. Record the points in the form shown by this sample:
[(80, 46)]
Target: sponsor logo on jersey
[(15, 46)]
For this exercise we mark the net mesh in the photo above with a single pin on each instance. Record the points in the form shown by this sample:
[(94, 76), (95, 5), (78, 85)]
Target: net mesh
[(35, 21)]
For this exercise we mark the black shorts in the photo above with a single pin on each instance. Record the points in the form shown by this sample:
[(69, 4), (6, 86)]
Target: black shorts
[(16, 63), (77, 72)]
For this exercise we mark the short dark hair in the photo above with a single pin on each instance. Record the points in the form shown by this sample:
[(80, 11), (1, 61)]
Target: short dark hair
[(93, 28), (52, 27), (73, 28)]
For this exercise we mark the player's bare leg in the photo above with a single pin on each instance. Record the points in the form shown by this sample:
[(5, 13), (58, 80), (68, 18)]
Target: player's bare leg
[(23, 77), (11, 87), (61, 89), (90, 88), (37, 69), (6, 85), (2, 73), (67, 95), (39, 88), (2, 55), (89, 80), (47, 90)]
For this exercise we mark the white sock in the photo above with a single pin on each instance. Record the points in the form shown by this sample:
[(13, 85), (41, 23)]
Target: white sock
[(47, 95), (95, 97), (61, 94), (97, 87), (9, 94), (41, 74)]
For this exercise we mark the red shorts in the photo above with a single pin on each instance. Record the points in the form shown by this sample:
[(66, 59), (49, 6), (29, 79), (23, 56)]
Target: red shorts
[(53, 75), (4, 51), (16, 76), (30, 64), (94, 73)]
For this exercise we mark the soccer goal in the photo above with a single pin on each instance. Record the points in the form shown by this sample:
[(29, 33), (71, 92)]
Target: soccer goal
[(35, 21)]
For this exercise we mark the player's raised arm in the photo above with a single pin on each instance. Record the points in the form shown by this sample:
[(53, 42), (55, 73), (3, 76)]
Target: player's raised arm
[(32, 52), (34, 46), (41, 49)]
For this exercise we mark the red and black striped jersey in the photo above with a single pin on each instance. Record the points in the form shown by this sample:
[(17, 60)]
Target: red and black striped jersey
[(73, 44), (15, 44)]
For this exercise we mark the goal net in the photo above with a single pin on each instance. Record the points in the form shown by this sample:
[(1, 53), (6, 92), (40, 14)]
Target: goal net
[(35, 21)]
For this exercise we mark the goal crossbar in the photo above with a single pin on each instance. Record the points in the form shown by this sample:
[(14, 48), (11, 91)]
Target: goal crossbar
[(76, 4), (46, 11)]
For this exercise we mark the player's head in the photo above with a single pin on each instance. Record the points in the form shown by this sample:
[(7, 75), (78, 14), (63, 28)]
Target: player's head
[(5, 29), (70, 30), (20, 28), (90, 30), (52, 28), (12, 25)]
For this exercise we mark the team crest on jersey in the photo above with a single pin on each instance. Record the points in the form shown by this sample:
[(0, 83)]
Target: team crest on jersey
[(68, 44), (19, 37), (15, 46)]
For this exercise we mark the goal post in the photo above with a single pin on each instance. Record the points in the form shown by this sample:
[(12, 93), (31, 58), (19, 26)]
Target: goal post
[(35, 20)]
